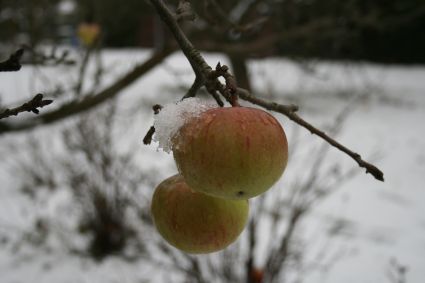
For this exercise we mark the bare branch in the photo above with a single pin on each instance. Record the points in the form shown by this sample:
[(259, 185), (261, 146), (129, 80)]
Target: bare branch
[(277, 257), (89, 101), (201, 67), (12, 64), (53, 58), (249, 264), (30, 106), (193, 55), (311, 30), (229, 91), (215, 14), (290, 113), (255, 46)]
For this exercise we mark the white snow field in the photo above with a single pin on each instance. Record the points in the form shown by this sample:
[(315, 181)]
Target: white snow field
[(386, 126)]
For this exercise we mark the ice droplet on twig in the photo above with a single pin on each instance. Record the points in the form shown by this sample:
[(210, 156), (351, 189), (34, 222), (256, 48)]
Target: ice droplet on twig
[(173, 116)]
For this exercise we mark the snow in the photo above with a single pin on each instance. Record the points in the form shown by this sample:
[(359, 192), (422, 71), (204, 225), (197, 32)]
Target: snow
[(173, 116), (385, 220)]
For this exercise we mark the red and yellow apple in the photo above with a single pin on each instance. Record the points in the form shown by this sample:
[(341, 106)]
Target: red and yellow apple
[(194, 222), (233, 152)]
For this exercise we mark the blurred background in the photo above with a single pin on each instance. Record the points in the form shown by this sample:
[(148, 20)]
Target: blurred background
[(76, 180)]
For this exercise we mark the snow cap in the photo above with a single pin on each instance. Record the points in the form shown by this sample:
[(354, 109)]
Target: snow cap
[(173, 116)]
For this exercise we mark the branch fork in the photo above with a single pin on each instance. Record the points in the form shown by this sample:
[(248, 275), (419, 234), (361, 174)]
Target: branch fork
[(205, 75), (30, 106)]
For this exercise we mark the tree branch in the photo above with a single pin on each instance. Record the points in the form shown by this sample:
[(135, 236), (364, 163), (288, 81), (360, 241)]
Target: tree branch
[(249, 263), (200, 66), (12, 64), (290, 113), (193, 55), (30, 106), (89, 101), (311, 30), (184, 11), (197, 84), (262, 45)]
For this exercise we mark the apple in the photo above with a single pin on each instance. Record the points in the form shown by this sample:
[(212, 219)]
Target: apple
[(232, 152), (194, 222)]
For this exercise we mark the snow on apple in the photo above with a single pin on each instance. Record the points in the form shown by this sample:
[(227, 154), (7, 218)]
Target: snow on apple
[(173, 116)]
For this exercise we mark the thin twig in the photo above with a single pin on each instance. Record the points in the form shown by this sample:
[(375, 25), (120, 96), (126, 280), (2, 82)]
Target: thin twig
[(272, 106), (82, 72), (197, 84), (148, 137), (53, 58), (230, 90), (274, 262), (30, 106), (215, 14), (12, 64), (249, 264), (289, 112)]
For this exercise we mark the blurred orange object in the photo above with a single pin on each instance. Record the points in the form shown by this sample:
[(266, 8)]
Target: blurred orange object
[(88, 33)]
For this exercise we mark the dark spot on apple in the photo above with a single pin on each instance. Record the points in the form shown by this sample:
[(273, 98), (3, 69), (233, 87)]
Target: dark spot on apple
[(240, 193)]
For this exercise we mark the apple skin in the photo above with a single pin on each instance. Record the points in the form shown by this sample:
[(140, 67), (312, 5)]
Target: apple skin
[(233, 152), (194, 222)]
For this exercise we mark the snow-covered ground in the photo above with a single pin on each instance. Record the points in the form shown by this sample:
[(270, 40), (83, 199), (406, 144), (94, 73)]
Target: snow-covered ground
[(385, 125)]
